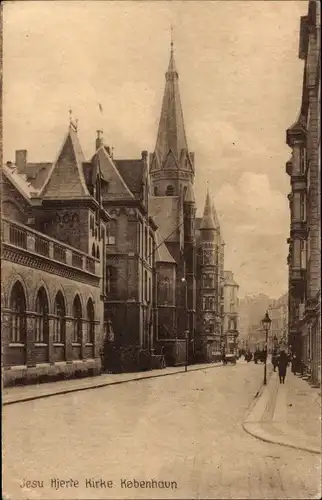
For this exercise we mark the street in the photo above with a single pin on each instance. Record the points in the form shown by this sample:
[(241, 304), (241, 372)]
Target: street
[(183, 431)]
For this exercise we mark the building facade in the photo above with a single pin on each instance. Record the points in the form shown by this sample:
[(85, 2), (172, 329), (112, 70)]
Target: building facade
[(209, 284), (103, 252), (278, 312), (231, 313), (52, 267), (304, 169)]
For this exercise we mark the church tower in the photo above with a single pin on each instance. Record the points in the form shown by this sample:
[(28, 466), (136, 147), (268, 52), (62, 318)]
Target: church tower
[(171, 186), (172, 165)]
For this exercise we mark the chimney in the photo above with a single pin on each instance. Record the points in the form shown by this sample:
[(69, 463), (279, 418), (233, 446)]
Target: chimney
[(21, 161), (99, 139)]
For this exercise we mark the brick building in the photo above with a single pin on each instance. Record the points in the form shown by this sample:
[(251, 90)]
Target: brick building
[(53, 229), (209, 284), (304, 169), (172, 206), (104, 252)]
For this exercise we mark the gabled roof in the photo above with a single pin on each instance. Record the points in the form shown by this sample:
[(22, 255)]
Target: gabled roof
[(167, 214), (66, 178), (162, 254), (132, 172), (207, 221), (37, 173), (20, 182), (171, 132), (117, 187)]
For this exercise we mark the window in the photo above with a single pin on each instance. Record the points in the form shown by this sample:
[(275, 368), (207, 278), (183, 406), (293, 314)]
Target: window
[(302, 160), (303, 207), (169, 191), (59, 319), (208, 280), (111, 233), (93, 250), (42, 322), (184, 191), (145, 285), (166, 290), (97, 252), (90, 322), (146, 242), (111, 280), (77, 315), (155, 191), (208, 303), (303, 254), (18, 314)]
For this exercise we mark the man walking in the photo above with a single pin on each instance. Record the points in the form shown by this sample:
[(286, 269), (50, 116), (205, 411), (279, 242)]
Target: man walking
[(282, 366)]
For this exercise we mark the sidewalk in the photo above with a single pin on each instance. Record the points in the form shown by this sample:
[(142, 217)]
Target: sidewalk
[(287, 414), (11, 395)]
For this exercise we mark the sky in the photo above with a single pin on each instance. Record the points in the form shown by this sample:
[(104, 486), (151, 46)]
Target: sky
[(240, 83)]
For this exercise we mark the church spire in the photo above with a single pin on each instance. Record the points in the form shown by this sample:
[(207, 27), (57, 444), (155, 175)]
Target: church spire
[(171, 133), (207, 221)]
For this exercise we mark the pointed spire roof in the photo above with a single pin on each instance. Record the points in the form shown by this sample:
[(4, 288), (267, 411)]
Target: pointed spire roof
[(171, 132), (207, 221), (215, 216), (66, 178), (189, 196)]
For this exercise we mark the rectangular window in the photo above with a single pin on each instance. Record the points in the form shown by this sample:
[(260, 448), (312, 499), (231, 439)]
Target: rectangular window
[(111, 233), (303, 207), (145, 285)]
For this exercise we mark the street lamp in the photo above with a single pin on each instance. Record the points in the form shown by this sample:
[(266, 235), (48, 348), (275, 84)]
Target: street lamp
[(266, 322)]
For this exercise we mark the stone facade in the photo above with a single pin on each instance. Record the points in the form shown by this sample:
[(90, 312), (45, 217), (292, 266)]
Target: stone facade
[(209, 285), (231, 313), (304, 170)]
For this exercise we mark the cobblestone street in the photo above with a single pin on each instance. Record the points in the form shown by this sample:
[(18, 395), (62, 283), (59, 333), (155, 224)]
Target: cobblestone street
[(185, 428)]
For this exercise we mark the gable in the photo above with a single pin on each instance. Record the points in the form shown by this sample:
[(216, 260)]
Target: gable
[(66, 179), (117, 187), (170, 162)]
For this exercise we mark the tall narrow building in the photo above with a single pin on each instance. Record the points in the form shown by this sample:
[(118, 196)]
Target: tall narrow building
[(172, 205), (209, 286)]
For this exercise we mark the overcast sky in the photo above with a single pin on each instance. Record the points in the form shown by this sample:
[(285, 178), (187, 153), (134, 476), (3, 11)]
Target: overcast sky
[(240, 84)]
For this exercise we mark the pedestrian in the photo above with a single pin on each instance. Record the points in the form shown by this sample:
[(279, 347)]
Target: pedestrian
[(294, 363), (282, 366)]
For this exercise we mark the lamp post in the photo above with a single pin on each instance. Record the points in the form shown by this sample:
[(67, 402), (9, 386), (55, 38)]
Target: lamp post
[(266, 322)]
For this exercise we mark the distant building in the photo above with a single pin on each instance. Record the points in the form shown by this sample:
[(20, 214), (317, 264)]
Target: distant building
[(278, 313), (304, 169), (231, 312)]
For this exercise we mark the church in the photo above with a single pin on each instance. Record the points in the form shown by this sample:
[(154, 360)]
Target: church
[(106, 258)]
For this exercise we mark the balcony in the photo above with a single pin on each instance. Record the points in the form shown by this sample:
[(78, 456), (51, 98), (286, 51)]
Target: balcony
[(297, 275), (34, 249), (298, 227), (289, 167)]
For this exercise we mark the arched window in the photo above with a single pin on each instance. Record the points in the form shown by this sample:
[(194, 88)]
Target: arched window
[(90, 322), (42, 322), (97, 252), (18, 314), (155, 191), (59, 319), (77, 315), (111, 280), (93, 250), (184, 191), (169, 191)]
